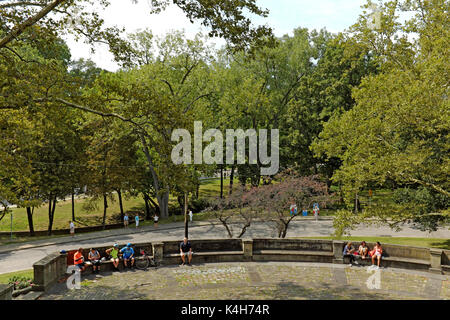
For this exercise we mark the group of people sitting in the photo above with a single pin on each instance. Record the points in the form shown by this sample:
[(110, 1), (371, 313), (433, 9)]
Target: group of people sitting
[(126, 254), (363, 252)]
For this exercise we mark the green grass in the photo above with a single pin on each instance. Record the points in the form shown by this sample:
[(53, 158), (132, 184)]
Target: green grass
[(63, 213), (25, 273), (413, 242)]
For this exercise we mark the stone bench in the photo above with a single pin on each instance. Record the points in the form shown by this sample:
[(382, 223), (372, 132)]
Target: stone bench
[(107, 265), (292, 250), (205, 251), (394, 262), (293, 255), (395, 256)]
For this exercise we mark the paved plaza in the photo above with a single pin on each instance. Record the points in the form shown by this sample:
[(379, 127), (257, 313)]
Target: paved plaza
[(256, 281)]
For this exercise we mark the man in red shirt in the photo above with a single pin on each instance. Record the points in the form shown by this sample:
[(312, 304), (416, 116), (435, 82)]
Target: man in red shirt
[(78, 259)]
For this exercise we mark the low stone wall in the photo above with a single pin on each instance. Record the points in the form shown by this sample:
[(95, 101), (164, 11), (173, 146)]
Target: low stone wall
[(48, 270), (6, 291)]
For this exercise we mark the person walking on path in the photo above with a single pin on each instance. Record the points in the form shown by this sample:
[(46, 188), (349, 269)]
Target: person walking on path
[(136, 218), (72, 228), (155, 220), (190, 215), (125, 220)]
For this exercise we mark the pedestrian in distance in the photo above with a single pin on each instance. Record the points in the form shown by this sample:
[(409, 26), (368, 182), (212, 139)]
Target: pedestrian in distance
[(72, 229), (125, 220), (136, 218), (155, 220)]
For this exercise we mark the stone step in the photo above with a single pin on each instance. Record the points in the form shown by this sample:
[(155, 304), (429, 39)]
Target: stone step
[(33, 295)]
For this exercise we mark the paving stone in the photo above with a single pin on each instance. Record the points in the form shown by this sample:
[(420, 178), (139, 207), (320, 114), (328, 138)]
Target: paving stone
[(255, 281)]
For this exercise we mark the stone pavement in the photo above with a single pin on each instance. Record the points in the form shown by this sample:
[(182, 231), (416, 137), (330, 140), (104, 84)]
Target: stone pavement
[(256, 281)]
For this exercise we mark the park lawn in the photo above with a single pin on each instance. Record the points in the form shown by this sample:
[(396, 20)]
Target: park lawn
[(4, 278), (63, 213), (413, 242)]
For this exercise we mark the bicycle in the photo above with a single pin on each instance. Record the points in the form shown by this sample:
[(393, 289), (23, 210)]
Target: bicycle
[(144, 261)]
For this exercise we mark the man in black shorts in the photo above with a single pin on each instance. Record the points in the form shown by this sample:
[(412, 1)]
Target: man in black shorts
[(186, 250)]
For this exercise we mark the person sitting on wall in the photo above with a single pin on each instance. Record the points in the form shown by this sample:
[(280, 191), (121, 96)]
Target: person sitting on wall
[(186, 250), (348, 252), (363, 250), (94, 258), (78, 260), (377, 252), (114, 253), (128, 255)]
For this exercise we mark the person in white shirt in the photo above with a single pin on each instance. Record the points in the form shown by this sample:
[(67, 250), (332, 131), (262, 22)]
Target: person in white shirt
[(190, 215), (72, 228)]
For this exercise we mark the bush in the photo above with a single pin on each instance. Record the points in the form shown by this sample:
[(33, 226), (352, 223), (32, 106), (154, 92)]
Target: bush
[(198, 205), (20, 282)]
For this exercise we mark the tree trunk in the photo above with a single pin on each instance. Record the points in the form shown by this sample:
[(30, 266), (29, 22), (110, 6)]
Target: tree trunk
[(197, 191), (163, 202), (244, 229), (119, 193), (186, 228), (30, 220), (231, 180), (73, 207), (147, 207), (357, 203), (105, 206), (51, 214), (221, 182), (224, 222)]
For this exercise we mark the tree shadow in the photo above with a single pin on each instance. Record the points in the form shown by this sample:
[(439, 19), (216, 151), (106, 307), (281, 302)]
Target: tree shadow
[(442, 245), (293, 291)]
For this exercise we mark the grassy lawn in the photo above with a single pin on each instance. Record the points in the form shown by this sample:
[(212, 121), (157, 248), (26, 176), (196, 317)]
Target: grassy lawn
[(25, 273), (63, 213), (413, 242)]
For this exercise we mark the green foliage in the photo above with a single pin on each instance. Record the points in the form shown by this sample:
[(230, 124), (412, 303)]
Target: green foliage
[(20, 282)]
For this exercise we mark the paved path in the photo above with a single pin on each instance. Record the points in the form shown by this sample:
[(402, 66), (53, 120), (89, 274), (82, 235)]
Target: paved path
[(22, 256), (256, 281)]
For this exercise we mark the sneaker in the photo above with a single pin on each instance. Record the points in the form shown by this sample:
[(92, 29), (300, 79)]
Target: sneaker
[(356, 262), (350, 265), (182, 264)]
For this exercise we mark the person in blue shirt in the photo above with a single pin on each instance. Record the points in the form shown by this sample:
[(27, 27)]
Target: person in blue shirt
[(128, 255)]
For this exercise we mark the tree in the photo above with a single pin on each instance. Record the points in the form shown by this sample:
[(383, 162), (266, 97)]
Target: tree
[(273, 201), (398, 131)]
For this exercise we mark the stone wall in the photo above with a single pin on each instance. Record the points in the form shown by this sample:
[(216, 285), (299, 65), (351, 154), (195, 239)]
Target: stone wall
[(48, 270), (6, 291)]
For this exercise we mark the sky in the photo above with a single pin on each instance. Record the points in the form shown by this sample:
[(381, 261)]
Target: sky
[(284, 16)]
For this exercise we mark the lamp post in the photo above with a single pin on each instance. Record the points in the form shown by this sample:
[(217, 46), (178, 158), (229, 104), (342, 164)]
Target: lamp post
[(11, 224), (185, 216)]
